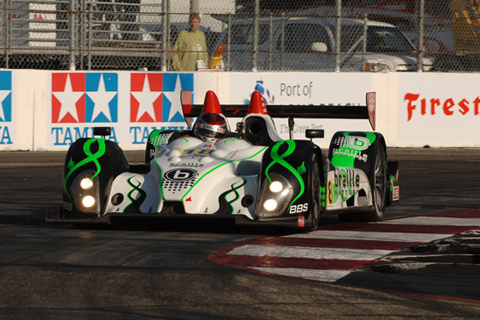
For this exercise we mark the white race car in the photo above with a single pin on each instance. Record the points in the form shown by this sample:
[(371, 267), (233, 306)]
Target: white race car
[(250, 175)]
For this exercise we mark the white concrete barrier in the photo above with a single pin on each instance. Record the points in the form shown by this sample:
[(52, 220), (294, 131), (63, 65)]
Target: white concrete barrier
[(48, 110)]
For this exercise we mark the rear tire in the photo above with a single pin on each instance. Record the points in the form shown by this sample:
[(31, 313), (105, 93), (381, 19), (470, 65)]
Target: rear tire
[(378, 183), (377, 175)]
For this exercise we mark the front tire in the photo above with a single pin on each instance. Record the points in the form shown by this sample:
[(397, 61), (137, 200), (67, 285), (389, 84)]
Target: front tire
[(316, 204)]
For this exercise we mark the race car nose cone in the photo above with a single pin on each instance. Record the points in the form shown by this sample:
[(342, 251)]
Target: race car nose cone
[(175, 159)]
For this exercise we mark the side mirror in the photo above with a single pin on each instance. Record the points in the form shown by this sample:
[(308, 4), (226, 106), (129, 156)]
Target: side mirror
[(102, 131), (314, 133)]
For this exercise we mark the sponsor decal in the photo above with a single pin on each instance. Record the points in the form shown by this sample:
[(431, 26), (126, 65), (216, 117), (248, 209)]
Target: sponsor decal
[(283, 128), (5, 107), (197, 151), (301, 221), (432, 106), (80, 101), (190, 164), (84, 97), (138, 103), (346, 183), (140, 134), (180, 174), (211, 128), (296, 89), (177, 180), (298, 208), (67, 206), (351, 153), (64, 136), (154, 97), (396, 193), (330, 192), (350, 149), (260, 87), (358, 143)]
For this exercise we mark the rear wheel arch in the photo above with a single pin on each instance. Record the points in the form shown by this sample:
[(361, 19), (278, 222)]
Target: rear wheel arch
[(370, 156)]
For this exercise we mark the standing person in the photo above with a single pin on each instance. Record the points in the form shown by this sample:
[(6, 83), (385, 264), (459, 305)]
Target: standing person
[(191, 47)]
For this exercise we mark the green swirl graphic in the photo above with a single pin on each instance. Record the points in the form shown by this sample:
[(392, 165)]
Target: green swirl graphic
[(137, 188), (279, 158), (91, 157), (237, 195)]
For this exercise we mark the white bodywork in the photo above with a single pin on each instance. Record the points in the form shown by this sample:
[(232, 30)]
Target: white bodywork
[(197, 174)]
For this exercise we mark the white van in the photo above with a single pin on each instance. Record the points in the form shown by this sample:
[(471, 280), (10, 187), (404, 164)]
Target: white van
[(301, 44)]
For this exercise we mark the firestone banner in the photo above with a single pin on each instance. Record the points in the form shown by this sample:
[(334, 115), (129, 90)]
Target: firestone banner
[(444, 113), (132, 104)]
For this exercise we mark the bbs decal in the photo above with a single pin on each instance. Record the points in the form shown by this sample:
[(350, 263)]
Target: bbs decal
[(67, 206), (299, 208), (180, 174)]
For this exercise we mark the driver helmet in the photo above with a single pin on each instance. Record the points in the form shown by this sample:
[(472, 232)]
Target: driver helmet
[(210, 127)]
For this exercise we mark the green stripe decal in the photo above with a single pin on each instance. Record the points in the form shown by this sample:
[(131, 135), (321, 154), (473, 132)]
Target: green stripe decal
[(346, 154), (237, 195), (91, 157), (279, 158)]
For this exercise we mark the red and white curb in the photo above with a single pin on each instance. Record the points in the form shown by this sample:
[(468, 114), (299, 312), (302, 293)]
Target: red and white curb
[(332, 252)]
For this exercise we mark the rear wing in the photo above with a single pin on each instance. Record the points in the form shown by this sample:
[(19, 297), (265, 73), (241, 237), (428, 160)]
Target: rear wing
[(291, 111)]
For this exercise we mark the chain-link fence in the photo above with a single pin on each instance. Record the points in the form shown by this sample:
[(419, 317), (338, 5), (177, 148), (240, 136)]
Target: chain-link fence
[(259, 35)]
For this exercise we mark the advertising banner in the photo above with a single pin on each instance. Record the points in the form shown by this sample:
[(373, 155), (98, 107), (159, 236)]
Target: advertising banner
[(306, 89), (131, 103), (443, 113), (8, 121)]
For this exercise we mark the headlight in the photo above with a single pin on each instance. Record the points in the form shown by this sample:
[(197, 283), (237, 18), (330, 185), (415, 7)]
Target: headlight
[(270, 205), (376, 67), (85, 192), (88, 201), (276, 186), (276, 196), (86, 183)]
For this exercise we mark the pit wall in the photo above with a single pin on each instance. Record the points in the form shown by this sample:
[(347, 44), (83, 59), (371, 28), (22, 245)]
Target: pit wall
[(45, 110)]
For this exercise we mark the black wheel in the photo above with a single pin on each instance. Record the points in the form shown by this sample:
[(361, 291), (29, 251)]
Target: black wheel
[(377, 175), (378, 182), (315, 204)]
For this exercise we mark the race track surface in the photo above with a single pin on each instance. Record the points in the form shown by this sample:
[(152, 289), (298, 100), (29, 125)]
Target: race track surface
[(174, 269)]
